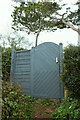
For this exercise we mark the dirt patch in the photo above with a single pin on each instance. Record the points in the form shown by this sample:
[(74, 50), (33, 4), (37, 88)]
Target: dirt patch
[(41, 111)]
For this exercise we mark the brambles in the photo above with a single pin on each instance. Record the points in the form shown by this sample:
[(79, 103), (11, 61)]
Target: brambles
[(14, 103)]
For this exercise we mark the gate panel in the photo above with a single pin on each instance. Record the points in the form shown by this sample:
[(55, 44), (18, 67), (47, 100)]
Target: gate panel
[(20, 69), (45, 71)]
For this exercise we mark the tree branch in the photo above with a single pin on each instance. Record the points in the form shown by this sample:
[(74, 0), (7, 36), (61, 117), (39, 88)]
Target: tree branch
[(71, 26), (68, 24)]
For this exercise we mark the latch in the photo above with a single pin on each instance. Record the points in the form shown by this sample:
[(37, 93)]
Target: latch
[(57, 60)]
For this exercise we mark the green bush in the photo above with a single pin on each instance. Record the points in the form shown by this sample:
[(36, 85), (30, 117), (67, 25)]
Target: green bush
[(45, 103), (6, 63), (68, 110), (71, 71), (14, 103)]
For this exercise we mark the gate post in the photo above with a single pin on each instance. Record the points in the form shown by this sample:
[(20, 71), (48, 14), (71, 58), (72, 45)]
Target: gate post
[(32, 69), (12, 66), (60, 68)]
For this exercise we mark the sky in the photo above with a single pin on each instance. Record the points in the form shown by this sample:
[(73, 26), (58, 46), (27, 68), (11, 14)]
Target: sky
[(65, 36)]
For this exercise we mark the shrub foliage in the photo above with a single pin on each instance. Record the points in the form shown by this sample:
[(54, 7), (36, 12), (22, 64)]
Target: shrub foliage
[(6, 63), (68, 110), (71, 71), (14, 103)]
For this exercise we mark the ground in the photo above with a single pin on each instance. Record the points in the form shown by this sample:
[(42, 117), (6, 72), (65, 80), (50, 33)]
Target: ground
[(44, 109)]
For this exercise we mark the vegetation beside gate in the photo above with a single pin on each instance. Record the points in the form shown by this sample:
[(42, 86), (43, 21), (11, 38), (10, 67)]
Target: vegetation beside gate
[(71, 71), (14, 103)]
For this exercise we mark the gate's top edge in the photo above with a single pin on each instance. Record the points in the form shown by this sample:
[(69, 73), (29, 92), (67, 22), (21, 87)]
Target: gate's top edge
[(23, 51), (48, 43)]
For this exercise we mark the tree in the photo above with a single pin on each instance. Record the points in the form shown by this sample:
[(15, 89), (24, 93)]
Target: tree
[(15, 40), (40, 16), (36, 17)]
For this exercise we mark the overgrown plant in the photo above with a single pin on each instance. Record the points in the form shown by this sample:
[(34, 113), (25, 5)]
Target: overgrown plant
[(14, 103), (68, 110), (6, 63), (45, 103), (71, 71)]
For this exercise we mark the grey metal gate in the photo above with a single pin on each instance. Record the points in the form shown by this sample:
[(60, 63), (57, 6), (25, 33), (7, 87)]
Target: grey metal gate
[(38, 70)]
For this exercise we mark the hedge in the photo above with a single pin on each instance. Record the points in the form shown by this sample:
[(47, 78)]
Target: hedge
[(71, 71)]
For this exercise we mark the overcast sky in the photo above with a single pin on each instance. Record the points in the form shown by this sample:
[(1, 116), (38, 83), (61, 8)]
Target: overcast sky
[(66, 36)]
